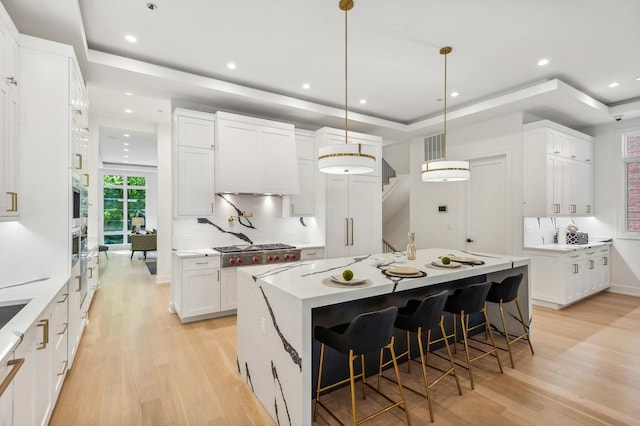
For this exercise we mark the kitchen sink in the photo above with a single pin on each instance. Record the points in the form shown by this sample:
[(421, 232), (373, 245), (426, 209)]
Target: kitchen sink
[(8, 310)]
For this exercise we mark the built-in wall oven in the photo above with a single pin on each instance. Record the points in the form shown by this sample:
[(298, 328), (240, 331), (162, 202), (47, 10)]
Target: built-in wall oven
[(76, 245)]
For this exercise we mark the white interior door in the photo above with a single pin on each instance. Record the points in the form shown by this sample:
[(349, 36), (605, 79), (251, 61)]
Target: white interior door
[(488, 224)]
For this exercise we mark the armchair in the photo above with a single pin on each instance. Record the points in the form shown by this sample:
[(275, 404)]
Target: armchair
[(144, 243)]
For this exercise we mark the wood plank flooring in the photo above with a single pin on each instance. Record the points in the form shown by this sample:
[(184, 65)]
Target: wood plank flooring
[(138, 365)]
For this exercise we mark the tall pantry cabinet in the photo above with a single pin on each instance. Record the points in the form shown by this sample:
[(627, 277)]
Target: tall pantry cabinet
[(353, 203)]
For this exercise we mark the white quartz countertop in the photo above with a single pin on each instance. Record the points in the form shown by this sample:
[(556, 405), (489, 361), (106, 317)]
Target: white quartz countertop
[(37, 294), (196, 252), (566, 248), (309, 281)]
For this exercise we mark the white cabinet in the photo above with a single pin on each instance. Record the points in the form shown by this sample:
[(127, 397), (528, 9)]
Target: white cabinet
[(565, 185), (254, 156), (228, 289), (9, 119), (353, 215), (193, 176), (74, 319), (303, 203), (559, 279), (197, 291), (58, 331)]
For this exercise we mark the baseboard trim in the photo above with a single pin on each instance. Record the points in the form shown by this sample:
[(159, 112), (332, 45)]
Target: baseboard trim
[(163, 279), (626, 290)]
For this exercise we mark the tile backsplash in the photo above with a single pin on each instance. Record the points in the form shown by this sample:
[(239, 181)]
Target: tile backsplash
[(541, 230)]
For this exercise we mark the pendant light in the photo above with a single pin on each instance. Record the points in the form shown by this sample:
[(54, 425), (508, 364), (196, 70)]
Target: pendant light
[(346, 159), (443, 170)]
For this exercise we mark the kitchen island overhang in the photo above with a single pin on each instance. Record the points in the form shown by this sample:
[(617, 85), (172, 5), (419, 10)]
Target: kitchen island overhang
[(278, 306)]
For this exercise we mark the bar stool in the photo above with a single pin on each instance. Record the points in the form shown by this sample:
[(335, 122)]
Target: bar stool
[(505, 292), (367, 333), (464, 302), (416, 317)]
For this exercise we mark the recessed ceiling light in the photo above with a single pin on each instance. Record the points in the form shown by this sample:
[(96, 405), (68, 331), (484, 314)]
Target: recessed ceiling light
[(363, 101), (231, 66), (454, 94), (637, 78), (126, 150), (128, 111), (306, 86), (614, 84), (125, 161), (131, 39), (127, 135), (128, 93), (543, 62), (126, 144), (125, 156)]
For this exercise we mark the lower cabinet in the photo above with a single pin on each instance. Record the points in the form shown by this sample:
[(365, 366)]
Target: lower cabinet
[(199, 289), (74, 313), (34, 385), (59, 340), (311, 253), (559, 279)]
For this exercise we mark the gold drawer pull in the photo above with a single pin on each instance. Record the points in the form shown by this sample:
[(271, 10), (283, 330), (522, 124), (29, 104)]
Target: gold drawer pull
[(64, 369), (64, 330), (12, 80), (45, 333), (16, 363), (79, 157), (64, 299), (14, 202), (79, 288)]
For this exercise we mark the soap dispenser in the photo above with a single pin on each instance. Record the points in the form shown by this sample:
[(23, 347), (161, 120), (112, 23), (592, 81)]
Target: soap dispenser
[(411, 247)]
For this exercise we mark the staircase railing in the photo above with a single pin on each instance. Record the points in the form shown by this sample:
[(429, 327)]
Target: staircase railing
[(387, 172), (387, 247)]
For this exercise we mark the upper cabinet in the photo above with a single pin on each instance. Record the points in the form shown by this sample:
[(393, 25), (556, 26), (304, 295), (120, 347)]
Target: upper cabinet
[(558, 170), (255, 156), (303, 203), (9, 96), (193, 147)]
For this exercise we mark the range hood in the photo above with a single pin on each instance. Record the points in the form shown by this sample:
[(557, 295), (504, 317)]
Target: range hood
[(254, 156)]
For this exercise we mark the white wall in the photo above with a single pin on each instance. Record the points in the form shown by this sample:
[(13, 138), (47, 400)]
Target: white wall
[(497, 137), (165, 209), (609, 204)]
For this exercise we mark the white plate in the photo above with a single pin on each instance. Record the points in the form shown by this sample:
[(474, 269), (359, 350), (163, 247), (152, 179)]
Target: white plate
[(352, 281), (442, 265)]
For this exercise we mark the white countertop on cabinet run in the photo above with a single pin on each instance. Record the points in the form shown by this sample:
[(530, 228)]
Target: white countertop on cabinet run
[(196, 252), (566, 248), (37, 294)]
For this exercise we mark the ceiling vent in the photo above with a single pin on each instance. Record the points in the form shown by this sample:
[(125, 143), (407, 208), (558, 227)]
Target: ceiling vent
[(434, 147)]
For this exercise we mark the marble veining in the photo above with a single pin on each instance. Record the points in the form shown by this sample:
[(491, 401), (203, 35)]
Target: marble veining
[(235, 234), (274, 371), (324, 271), (246, 371), (241, 217), (293, 353)]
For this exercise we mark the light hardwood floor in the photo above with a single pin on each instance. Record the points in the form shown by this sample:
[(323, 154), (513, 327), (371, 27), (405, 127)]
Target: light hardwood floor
[(137, 365)]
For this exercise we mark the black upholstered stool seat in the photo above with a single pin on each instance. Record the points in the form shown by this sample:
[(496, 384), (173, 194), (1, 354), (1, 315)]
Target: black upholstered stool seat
[(425, 317), (462, 303), (505, 292), (368, 332)]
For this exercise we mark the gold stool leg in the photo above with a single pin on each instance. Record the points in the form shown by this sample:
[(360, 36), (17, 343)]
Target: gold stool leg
[(353, 387), (315, 404), (423, 362), (408, 352), (526, 331), (397, 371), (453, 365), (455, 334), (493, 342), (506, 334), (465, 326), (364, 394)]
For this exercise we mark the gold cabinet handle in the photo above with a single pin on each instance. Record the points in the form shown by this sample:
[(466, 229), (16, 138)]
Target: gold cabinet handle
[(573, 208), (79, 288), (351, 231), (45, 333), (14, 201), (591, 264), (575, 268), (91, 272), (86, 179), (16, 363), (556, 208), (12, 80), (64, 330), (346, 227), (64, 368), (78, 111), (79, 157), (64, 299), (605, 260)]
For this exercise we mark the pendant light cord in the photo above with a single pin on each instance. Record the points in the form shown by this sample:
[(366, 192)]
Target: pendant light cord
[(444, 137), (346, 79)]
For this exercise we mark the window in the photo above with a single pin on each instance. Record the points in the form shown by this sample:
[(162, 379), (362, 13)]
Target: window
[(631, 161), (118, 210)]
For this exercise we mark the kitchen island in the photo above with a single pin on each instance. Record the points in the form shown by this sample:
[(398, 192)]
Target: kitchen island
[(278, 306)]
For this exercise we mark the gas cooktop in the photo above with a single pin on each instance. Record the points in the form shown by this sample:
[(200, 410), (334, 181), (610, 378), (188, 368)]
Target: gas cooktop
[(252, 247)]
